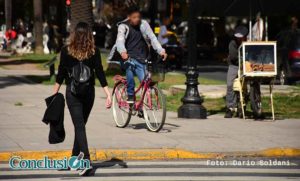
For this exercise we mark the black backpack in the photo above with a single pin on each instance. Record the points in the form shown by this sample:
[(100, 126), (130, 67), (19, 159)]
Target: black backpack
[(80, 79)]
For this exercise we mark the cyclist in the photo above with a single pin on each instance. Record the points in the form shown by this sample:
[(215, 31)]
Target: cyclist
[(133, 40), (240, 35)]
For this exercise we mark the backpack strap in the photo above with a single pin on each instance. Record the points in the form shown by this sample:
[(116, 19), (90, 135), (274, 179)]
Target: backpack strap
[(126, 32)]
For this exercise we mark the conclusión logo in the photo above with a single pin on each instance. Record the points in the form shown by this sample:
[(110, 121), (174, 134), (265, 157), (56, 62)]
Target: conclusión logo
[(74, 162)]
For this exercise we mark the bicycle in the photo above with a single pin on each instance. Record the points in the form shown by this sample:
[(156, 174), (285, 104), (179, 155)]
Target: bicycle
[(151, 104)]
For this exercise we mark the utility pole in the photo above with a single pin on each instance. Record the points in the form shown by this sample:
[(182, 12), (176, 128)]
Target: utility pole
[(192, 102)]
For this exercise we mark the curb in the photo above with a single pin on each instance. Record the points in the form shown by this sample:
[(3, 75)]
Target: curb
[(151, 154)]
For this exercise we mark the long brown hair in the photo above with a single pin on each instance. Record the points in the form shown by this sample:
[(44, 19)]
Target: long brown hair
[(82, 44)]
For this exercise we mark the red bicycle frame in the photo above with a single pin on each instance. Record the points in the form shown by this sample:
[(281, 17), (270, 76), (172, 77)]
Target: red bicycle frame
[(144, 85)]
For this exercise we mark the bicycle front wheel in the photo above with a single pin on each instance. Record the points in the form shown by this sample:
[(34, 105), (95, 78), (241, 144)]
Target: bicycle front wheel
[(120, 107), (154, 109)]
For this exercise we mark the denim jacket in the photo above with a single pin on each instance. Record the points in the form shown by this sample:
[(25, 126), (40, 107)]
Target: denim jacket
[(147, 33)]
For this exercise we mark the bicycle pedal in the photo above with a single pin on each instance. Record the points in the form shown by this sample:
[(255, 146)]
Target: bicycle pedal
[(140, 114), (133, 112)]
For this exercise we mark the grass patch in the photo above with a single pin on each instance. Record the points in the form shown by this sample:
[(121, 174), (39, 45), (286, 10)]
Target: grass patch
[(37, 59), (170, 78), (213, 106), (285, 106), (174, 101), (179, 79), (34, 58)]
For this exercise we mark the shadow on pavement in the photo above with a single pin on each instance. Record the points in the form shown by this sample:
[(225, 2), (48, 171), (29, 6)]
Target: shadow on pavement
[(12, 81), (109, 163), (24, 79), (166, 129), (39, 79), (4, 62)]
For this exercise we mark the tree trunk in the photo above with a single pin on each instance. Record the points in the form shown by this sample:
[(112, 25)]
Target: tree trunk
[(38, 26), (8, 14), (81, 11)]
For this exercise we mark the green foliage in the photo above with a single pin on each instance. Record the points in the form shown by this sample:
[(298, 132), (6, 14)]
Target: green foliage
[(34, 58)]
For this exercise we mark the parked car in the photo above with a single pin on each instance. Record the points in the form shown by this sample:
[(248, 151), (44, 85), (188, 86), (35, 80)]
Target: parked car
[(288, 56)]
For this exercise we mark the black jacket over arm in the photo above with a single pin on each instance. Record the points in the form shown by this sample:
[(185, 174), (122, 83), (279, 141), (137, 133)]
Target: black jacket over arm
[(54, 115)]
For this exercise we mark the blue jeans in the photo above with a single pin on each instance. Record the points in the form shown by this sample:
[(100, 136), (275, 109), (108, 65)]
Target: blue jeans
[(133, 67)]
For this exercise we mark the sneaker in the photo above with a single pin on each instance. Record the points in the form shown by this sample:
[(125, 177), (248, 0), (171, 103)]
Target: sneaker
[(79, 157), (228, 113), (87, 172), (130, 99), (140, 114)]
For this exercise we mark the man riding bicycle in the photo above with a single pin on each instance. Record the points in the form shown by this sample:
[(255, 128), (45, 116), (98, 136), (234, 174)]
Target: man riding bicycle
[(133, 41)]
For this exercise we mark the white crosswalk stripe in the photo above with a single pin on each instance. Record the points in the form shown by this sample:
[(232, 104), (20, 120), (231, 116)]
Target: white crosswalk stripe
[(161, 170)]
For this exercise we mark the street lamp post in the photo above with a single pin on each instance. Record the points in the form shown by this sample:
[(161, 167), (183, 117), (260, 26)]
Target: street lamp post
[(192, 102)]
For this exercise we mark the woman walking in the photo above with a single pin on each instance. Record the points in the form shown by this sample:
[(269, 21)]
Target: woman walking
[(79, 62)]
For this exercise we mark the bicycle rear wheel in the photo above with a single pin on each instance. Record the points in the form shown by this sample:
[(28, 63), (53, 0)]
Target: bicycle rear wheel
[(154, 109), (255, 99), (120, 108)]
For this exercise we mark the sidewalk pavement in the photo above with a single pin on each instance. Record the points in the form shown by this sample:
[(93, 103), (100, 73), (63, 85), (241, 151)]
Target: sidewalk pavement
[(22, 107)]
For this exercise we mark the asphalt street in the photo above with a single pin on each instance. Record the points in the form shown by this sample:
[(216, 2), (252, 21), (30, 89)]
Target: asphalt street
[(254, 169)]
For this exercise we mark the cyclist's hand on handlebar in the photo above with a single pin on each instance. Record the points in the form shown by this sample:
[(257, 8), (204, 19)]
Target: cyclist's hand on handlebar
[(124, 56), (164, 55)]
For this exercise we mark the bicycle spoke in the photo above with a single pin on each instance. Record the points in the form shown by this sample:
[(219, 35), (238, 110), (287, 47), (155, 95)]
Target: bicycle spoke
[(121, 112), (154, 103), (154, 107)]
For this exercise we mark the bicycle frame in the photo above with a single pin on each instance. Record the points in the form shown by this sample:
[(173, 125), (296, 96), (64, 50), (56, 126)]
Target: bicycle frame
[(143, 86)]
